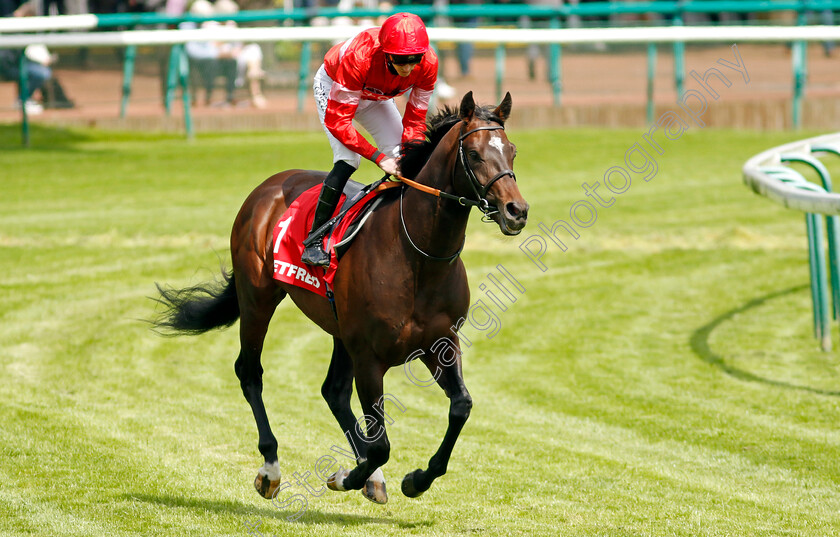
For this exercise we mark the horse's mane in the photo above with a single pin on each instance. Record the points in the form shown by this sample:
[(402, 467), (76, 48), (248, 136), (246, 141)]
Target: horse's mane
[(415, 153)]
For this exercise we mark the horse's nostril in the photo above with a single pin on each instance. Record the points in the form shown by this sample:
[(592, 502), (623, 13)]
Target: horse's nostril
[(517, 210)]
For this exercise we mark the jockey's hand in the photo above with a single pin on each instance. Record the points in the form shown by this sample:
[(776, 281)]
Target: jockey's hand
[(389, 166)]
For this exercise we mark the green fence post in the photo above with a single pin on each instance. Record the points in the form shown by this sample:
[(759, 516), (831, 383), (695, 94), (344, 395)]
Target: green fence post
[(23, 81), (433, 98), (184, 83), (172, 77), (679, 55), (798, 58), (812, 269), (435, 18), (555, 68), (832, 227), (303, 73), (822, 285), (833, 231), (819, 285), (651, 77), (816, 253), (128, 75), (500, 70)]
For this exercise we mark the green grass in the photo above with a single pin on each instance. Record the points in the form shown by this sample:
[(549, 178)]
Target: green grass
[(660, 378)]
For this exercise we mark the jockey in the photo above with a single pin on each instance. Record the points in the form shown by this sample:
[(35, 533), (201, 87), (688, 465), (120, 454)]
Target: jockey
[(359, 80)]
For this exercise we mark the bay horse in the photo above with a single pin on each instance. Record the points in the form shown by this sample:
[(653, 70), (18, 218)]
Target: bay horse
[(400, 288)]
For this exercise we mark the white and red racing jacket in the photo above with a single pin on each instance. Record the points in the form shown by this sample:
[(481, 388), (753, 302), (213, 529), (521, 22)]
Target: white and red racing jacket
[(358, 70)]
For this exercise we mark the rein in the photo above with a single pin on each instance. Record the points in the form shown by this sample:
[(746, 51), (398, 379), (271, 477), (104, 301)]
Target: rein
[(448, 259), (479, 190)]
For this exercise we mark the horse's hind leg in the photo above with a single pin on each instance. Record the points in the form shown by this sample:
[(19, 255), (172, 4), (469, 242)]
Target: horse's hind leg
[(337, 391), (256, 310), (369, 387), (451, 380)]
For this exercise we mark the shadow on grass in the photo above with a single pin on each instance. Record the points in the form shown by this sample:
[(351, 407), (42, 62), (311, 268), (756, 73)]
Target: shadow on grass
[(700, 345), (250, 511), (40, 136), (43, 137)]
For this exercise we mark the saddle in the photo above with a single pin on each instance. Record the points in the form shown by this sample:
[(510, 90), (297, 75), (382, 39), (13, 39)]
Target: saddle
[(354, 194), (337, 233)]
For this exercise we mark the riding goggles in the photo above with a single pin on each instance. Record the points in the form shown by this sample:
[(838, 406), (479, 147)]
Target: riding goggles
[(407, 59)]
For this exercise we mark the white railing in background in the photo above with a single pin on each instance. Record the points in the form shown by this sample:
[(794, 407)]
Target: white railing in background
[(676, 35), (566, 36)]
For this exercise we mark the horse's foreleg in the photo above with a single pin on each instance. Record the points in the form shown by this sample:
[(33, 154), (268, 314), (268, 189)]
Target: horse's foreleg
[(253, 325), (452, 381), (378, 449), (337, 391)]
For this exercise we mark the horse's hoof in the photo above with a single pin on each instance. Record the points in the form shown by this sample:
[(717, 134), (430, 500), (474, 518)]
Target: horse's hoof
[(408, 485), (336, 481), (266, 487), (374, 489)]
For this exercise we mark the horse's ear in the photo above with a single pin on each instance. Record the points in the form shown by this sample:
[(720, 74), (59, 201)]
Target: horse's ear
[(467, 107), (503, 110)]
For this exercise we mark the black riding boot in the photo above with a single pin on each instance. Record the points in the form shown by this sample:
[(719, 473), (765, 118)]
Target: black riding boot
[(314, 254)]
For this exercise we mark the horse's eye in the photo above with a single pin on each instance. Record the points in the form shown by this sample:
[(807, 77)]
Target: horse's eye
[(474, 155)]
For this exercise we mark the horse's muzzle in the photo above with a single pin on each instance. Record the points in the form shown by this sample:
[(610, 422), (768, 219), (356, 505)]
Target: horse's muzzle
[(513, 217)]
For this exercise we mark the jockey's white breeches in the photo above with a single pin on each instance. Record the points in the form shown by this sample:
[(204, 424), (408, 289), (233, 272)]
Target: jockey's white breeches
[(380, 118)]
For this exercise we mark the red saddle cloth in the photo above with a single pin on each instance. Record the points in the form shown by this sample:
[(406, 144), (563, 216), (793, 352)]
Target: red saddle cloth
[(293, 228)]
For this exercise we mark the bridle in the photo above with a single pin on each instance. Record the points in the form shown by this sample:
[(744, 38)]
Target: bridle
[(479, 190)]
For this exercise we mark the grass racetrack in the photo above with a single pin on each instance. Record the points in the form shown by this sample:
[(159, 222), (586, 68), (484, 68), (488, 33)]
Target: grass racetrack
[(659, 378)]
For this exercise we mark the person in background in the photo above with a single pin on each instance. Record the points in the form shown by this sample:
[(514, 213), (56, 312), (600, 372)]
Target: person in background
[(205, 57), (175, 7), (442, 89), (249, 57), (359, 80), (37, 70), (826, 17), (464, 51)]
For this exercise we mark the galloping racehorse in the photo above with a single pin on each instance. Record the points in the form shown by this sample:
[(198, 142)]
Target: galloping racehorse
[(399, 289)]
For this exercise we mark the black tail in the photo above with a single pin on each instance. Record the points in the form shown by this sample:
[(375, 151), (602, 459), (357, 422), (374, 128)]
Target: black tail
[(198, 309)]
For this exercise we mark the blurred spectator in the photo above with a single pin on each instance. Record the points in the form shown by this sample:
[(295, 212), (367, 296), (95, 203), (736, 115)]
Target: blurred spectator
[(124, 6), (77, 7), (442, 89), (534, 50), (827, 18), (55, 7), (52, 93), (236, 62), (205, 58), (249, 57), (464, 51), (35, 60), (37, 75), (175, 7)]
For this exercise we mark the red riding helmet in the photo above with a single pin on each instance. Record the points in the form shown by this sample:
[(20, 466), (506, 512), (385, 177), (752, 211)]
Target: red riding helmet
[(403, 34)]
